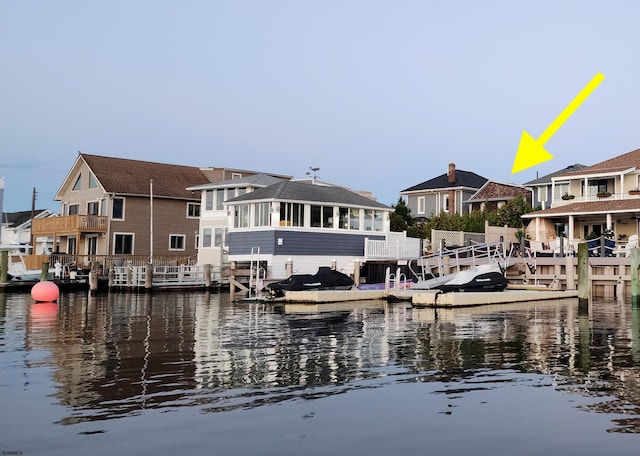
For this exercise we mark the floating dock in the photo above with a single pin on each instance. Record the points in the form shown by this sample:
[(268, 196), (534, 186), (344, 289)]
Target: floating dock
[(427, 298)]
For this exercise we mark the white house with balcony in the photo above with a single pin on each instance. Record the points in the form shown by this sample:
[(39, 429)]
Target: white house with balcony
[(592, 200)]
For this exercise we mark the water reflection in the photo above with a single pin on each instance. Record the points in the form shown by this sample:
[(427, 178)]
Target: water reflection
[(118, 355)]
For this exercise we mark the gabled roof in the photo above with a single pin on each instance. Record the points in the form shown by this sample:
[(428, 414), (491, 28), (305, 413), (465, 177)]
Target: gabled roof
[(463, 179), (497, 191), (14, 219), (132, 177), (591, 207), (257, 180), (616, 164), (303, 192), (546, 180)]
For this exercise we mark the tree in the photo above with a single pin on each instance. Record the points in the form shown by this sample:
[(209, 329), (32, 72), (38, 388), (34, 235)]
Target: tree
[(401, 218)]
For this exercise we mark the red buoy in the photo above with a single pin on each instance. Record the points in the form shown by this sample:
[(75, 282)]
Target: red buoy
[(45, 291)]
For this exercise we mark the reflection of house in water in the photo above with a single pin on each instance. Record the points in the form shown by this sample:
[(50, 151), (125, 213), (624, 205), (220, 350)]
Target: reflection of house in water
[(115, 355)]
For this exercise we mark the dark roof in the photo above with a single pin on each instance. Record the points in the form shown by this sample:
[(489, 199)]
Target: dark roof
[(499, 191), (463, 179), (132, 177), (547, 179), (300, 191), (18, 218), (615, 164)]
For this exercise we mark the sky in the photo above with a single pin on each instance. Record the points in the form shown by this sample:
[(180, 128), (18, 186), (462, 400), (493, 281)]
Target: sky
[(380, 95)]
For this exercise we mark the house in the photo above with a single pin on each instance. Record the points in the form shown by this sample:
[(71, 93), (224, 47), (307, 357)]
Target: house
[(115, 207), (306, 224), (214, 219), (542, 186), (493, 195), (16, 229), (591, 200), (445, 193)]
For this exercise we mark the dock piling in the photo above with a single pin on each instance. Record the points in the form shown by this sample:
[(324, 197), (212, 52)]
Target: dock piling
[(4, 266), (635, 278), (584, 286)]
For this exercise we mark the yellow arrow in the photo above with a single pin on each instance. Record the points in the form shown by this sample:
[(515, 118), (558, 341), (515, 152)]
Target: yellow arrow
[(531, 152)]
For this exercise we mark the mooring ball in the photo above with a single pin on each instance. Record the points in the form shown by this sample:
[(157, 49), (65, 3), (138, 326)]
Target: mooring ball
[(45, 291)]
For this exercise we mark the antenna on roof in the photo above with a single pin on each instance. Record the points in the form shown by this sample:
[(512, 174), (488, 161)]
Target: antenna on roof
[(315, 174)]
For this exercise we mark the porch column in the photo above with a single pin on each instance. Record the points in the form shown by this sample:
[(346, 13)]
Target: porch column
[(537, 228), (608, 221), (571, 227)]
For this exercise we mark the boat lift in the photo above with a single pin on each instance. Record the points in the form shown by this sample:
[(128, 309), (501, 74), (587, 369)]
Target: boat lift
[(438, 268)]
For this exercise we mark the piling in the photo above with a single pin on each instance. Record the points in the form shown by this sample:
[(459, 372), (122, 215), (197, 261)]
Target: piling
[(148, 278), (288, 268), (232, 281), (44, 271), (570, 273), (207, 276), (4, 266), (584, 286), (93, 283), (635, 279)]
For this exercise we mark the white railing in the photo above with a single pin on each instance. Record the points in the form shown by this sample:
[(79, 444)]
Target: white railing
[(177, 275), (396, 247), (589, 198)]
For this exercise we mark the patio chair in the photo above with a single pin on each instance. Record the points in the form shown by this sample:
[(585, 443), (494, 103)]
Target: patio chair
[(538, 248), (625, 251)]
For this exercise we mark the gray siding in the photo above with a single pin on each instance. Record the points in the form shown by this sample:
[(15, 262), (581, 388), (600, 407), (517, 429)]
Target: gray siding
[(298, 243)]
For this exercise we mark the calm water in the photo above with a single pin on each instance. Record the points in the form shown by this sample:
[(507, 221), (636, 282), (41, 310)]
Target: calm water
[(196, 374)]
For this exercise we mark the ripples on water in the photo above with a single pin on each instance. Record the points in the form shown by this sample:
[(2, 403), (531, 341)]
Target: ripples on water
[(121, 355)]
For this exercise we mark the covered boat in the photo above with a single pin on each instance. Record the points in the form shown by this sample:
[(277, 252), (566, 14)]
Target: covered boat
[(325, 279), (486, 277)]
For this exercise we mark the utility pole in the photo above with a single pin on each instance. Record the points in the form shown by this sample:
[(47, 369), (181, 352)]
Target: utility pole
[(33, 216)]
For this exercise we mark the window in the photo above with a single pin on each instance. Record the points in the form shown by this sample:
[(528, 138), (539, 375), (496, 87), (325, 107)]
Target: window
[(354, 219), (236, 176), (378, 221), (219, 199), (208, 200), (322, 216), (262, 214), (73, 209), (206, 238), (78, 185), (92, 181), (349, 218), (445, 203), (72, 246), (176, 241), (218, 239), (241, 216), (122, 244), (291, 214), (560, 189), (93, 208), (368, 220), (193, 210), (421, 205), (117, 209)]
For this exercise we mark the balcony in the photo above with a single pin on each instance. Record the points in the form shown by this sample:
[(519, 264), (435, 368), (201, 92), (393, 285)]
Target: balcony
[(70, 224), (589, 198)]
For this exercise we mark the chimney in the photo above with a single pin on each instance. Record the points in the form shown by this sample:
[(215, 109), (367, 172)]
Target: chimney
[(451, 175)]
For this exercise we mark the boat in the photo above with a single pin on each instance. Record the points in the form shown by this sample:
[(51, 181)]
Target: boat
[(325, 279), (485, 277)]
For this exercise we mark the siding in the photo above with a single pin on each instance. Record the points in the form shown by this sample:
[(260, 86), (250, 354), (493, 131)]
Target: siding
[(299, 243)]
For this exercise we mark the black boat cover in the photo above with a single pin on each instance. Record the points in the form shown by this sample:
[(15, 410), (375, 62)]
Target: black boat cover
[(326, 278)]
